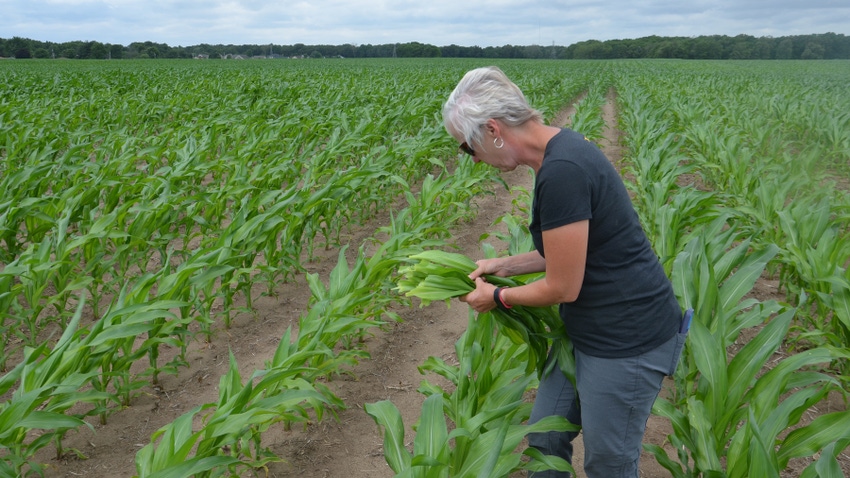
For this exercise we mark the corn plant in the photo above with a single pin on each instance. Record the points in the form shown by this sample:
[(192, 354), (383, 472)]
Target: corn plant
[(588, 115), (486, 408), (440, 276), (726, 417), (50, 382), (230, 440), (713, 275), (113, 340), (670, 213), (342, 310), (728, 422), (759, 212), (11, 316)]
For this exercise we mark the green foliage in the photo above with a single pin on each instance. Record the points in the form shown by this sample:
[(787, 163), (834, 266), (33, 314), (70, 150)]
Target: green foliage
[(160, 211), (485, 407), (439, 275), (759, 214)]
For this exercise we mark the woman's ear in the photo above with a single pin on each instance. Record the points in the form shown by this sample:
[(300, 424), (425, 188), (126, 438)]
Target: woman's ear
[(493, 127)]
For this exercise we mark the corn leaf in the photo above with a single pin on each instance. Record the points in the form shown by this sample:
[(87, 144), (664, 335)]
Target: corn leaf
[(812, 438), (750, 359), (710, 358), (387, 416), (431, 434), (194, 466)]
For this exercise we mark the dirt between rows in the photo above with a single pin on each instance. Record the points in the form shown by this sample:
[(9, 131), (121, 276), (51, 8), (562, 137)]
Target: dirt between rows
[(347, 447)]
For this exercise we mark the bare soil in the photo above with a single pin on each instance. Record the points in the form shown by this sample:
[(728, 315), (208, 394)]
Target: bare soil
[(347, 447)]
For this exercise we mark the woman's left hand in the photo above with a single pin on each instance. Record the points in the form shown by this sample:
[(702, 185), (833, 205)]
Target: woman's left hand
[(481, 299)]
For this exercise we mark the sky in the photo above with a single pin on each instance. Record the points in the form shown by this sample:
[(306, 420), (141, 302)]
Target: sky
[(436, 22)]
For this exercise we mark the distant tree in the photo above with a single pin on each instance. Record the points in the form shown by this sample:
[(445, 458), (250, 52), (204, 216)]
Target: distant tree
[(98, 51), (672, 48), (813, 51), (836, 46), (814, 46), (785, 49), (417, 50), (533, 51), (764, 48), (116, 52), (491, 52), (452, 51), (706, 48), (625, 49), (511, 51), (83, 50), (592, 49), (18, 47), (744, 48)]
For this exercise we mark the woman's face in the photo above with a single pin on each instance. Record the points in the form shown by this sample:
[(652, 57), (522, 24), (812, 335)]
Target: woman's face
[(463, 145), (491, 155), (498, 157), (475, 154)]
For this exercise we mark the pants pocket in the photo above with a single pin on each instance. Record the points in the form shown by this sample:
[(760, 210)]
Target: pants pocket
[(677, 353)]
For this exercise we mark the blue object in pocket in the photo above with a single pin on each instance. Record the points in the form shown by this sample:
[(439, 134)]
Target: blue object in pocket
[(686, 321), (680, 340)]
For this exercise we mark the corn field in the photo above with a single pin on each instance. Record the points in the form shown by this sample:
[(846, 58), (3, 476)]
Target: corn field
[(147, 205)]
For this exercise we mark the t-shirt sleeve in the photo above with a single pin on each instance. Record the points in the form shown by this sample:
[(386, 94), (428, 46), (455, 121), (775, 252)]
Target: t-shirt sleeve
[(564, 193)]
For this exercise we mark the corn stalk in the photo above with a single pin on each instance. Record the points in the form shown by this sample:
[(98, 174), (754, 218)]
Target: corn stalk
[(486, 409)]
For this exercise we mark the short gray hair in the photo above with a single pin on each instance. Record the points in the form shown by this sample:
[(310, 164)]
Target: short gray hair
[(482, 94)]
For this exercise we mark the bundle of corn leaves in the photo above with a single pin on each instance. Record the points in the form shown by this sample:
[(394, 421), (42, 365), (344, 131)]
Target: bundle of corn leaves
[(434, 275)]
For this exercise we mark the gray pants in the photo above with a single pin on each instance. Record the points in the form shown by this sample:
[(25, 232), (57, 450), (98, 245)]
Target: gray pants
[(616, 400)]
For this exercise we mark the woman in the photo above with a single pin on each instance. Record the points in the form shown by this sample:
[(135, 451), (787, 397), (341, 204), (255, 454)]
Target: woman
[(617, 304)]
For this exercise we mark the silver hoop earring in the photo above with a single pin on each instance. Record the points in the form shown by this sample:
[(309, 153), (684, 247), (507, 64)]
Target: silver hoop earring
[(499, 145)]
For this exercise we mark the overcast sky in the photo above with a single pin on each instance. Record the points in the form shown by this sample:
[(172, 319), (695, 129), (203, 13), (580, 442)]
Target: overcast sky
[(436, 22)]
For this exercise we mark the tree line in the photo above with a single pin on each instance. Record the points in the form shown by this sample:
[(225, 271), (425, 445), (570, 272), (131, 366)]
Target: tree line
[(712, 47)]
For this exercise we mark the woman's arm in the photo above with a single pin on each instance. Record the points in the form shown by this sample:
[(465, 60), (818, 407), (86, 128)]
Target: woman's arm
[(510, 266), (566, 253)]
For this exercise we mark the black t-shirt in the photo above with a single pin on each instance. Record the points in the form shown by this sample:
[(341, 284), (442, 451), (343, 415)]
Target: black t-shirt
[(626, 305)]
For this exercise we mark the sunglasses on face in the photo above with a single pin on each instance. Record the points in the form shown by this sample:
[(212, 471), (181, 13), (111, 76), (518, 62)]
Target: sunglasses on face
[(466, 148)]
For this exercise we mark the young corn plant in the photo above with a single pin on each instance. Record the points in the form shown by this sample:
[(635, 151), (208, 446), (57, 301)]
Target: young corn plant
[(588, 115), (436, 275), (50, 382), (13, 312), (733, 422), (713, 275), (131, 315), (346, 308), (726, 417), (486, 409), (229, 442)]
